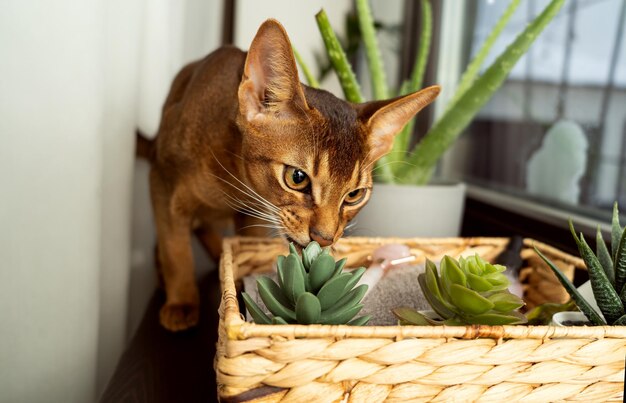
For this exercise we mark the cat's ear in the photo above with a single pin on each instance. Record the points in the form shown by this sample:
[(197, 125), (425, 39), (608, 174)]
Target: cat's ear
[(270, 83), (385, 119)]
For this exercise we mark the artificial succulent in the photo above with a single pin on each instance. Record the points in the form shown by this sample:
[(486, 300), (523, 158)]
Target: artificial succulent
[(607, 273), (311, 289), (465, 292)]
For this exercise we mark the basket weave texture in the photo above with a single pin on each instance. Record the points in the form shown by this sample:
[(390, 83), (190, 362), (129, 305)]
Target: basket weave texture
[(324, 363)]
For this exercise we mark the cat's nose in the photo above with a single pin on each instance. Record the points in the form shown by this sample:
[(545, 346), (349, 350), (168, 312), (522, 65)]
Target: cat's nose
[(320, 238)]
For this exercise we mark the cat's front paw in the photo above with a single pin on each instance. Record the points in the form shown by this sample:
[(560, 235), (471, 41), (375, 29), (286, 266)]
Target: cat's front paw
[(176, 316)]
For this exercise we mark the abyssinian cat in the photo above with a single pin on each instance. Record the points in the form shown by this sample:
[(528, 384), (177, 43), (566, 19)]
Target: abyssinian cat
[(241, 138)]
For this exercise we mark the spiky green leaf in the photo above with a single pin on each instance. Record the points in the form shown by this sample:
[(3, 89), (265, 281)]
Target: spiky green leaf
[(356, 276), (478, 283), (277, 320), (493, 268), (321, 270), (361, 321), (292, 249), (410, 316), (621, 321), (616, 231), (348, 301), (280, 261), (310, 253), (607, 298), (620, 262), (255, 311), (604, 257), (271, 287), (498, 281), (338, 59), (431, 288), (471, 72), (582, 303), (372, 50), (308, 309), (293, 278), (333, 290), (469, 301), (498, 319), (340, 317), (505, 302), (458, 116), (339, 265), (622, 295), (451, 273), (274, 301)]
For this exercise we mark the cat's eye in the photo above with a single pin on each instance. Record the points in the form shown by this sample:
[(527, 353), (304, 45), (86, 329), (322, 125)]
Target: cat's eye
[(296, 179), (354, 197)]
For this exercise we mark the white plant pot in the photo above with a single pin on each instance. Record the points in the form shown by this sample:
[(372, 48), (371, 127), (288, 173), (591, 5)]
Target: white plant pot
[(586, 292), (560, 318), (412, 211)]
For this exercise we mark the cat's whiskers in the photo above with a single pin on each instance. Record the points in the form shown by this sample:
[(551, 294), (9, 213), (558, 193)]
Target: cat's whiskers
[(350, 225), (373, 162), (394, 177), (393, 162), (364, 168), (388, 163), (270, 206), (241, 204), (252, 193), (271, 213), (248, 213), (262, 226), (243, 208), (252, 205)]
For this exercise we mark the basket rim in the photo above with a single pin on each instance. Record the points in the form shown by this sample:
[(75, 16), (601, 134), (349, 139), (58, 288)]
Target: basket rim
[(238, 329)]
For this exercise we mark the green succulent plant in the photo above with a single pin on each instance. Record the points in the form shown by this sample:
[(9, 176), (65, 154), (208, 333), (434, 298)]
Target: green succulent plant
[(465, 292), (310, 289), (607, 273)]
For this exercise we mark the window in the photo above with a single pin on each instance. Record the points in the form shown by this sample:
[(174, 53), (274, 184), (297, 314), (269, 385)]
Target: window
[(556, 129)]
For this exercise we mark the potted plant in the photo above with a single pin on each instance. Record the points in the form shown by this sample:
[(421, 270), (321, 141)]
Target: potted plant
[(311, 288), (607, 278), (465, 292), (401, 174)]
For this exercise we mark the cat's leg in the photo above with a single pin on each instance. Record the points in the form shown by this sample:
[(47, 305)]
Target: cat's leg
[(173, 225)]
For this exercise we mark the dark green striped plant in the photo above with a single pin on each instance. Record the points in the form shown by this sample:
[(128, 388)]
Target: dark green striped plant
[(416, 166), (607, 273), (311, 289)]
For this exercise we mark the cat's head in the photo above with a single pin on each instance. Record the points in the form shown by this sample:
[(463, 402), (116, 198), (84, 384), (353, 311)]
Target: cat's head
[(307, 152)]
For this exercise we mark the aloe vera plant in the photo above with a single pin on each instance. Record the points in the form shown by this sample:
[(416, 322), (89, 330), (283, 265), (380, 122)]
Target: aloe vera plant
[(416, 166), (465, 292), (607, 273), (312, 288)]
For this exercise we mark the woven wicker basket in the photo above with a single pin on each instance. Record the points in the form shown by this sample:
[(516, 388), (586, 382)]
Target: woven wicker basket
[(323, 363)]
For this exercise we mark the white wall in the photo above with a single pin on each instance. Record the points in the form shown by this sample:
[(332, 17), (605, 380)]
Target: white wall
[(50, 198), (174, 34), (119, 63), (77, 77)]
